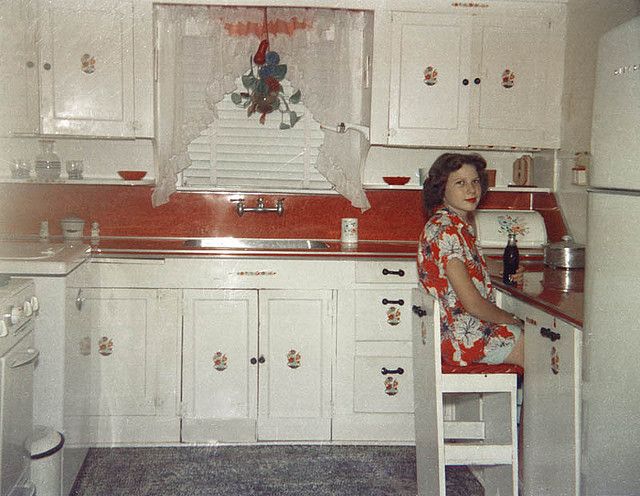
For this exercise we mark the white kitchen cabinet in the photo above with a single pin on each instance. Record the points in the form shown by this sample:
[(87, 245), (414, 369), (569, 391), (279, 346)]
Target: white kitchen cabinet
[(373, 388), (456, 79), (551, 405), (219, 380), (95, 68), (123, 356), (257, 365), (18, 68)]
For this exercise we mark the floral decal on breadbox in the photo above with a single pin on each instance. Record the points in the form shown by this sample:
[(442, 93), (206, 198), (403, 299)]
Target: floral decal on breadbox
[(509, 224)]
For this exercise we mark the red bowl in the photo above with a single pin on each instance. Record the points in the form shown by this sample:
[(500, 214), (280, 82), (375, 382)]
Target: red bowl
[(396, 180), (132, 175)]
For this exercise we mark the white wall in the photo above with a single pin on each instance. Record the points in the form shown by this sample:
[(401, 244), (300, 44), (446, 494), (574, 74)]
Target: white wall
[(587, 20)]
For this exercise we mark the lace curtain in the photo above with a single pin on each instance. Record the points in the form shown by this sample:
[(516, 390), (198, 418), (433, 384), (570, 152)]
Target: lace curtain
[(324, 61)]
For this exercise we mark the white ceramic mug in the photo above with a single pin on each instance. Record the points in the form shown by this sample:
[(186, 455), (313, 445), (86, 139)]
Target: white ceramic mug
[(349, 230)]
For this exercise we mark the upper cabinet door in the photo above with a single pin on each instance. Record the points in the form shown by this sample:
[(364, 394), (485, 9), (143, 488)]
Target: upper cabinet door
[(87, 68), (510, 83), (430, 59), (493, 78), (18, 68)]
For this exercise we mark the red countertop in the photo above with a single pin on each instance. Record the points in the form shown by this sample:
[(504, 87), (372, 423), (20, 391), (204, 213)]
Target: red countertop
[(543, 287), (559, 292)]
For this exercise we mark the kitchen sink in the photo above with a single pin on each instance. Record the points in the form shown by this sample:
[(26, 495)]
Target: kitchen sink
[(257, 243)]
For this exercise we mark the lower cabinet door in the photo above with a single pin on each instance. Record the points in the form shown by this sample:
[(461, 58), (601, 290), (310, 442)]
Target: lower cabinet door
[(296, 336), (220, 365), (122, 374), (551, 406)]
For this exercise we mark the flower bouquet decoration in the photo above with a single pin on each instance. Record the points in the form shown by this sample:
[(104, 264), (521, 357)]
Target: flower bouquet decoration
[(264, 93)]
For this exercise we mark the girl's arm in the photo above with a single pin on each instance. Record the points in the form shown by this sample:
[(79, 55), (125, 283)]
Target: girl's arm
[(472, 301)]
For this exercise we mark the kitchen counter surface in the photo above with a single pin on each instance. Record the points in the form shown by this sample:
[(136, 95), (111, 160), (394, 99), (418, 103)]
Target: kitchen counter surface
[(543, 287), (558, 292), (41, 258), (179, 247)]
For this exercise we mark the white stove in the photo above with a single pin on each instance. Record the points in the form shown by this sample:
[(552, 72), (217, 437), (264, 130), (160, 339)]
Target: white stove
[(18, 307)]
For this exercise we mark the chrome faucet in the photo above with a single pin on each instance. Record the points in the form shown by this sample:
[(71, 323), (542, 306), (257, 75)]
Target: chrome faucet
[(241, 208)]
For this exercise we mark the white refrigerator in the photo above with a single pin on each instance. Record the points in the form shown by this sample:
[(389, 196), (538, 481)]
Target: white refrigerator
[(610, 462)]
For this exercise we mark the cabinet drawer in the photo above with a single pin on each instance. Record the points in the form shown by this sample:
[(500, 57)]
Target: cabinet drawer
[(383, 314), (377, 392), (389, 272)]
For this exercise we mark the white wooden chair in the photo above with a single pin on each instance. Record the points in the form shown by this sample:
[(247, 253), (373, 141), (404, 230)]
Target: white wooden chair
[(460, 418)]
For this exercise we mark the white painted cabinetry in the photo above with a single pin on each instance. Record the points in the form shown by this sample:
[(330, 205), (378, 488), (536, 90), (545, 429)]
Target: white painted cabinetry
[(96, 68), (122, 349), (257, 365), (77, 68), (551, 402), (493, 78), (374, 370)]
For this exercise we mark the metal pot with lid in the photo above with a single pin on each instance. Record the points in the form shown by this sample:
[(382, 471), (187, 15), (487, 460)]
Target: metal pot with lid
[(565, 254)]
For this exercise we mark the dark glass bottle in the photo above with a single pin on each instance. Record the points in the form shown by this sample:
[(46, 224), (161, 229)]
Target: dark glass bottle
[(510, 260)]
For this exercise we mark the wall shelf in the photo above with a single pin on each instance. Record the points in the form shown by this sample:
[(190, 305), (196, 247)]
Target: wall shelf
[(101, 181)]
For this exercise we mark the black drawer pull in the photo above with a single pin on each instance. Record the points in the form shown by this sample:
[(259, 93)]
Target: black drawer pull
[(418, 311), (392, 302), (548, 333), (386, 371), (386, 272)]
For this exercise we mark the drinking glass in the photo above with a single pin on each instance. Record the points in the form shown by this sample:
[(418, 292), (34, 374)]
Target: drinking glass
[(74, 169), (20, 168)]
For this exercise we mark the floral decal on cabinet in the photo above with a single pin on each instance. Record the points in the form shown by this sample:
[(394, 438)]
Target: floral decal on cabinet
[(508, 224), (220, 361), (508, 78), (430, 76), (293, 359), (393, 315), (105, 346), (555, 360), (391, 386), (88, 63)]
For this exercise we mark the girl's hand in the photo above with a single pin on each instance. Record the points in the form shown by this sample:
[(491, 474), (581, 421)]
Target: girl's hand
[(518, 277)]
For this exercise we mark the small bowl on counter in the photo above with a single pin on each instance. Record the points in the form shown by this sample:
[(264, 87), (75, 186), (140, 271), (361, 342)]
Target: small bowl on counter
[(128, 175)]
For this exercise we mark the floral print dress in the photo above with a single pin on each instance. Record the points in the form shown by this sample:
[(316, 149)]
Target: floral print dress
[(465, 339)]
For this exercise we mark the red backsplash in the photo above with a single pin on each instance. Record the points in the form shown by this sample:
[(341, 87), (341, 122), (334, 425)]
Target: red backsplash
[(127, 211)]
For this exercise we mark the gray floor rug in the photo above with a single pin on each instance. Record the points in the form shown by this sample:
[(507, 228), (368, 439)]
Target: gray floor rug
[(260, 470)]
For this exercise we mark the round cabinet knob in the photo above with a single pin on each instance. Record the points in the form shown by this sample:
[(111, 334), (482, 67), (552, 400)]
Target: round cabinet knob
[(47, 66), (261, 359), (35, 303), (465, 81), (253, 360), (27, 308), (30, 64), (476, 81)]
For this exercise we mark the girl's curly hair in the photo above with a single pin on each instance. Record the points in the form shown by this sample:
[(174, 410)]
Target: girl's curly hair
[(435, 184)]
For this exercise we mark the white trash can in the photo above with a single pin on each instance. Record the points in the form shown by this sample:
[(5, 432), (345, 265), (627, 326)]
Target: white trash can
[(46, 460)]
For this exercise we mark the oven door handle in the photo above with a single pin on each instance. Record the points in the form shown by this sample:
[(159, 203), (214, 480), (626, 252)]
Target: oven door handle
[(26, 358)]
